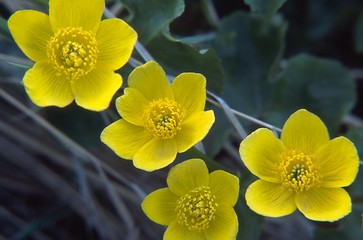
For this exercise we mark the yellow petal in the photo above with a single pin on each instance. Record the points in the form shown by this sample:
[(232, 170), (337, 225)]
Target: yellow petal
[(131, 106), (224, 226), (338, 163), (304, 131), (270, 199), (194, 129), (190, 91), (156, 154), (187, 176), (160, 206), (124, 138), (260, 152), (324, 204), (116, 40), (225, 187), (175, 231), (95, 90), (76, 13), (31, 30), (45, 87), (151, 81)]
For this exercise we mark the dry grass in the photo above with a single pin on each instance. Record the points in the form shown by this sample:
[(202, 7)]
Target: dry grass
[(53, 188)]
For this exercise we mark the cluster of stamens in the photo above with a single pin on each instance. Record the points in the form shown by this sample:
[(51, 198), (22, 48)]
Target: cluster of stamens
[(196, 209), (73, 52), (298, 171), (163, 118)]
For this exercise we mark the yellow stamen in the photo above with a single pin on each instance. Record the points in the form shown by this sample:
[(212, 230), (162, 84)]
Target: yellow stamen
[(196, 209), (73, 52), (163, 118), (298, 171)]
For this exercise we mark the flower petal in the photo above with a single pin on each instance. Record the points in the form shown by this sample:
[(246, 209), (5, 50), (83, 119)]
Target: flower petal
[(225, 187), (270, 199), (124, 138), (324, 204), (131, 106), (260, 152), (45, 87), (156, 154), (31, 30), (304, 131), (187, 176), (338, 163), (190, 91), (160, 206), (95, 90), (76, 13), (176, 231), (194, 129), (224, 226), (151, 81), (116, 40)]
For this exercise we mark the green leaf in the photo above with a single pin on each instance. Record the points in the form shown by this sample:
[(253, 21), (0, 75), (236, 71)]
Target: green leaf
[(250, 223), (349, 228), (358, 35), (249, 48), (265, 7), (322, 86), (149, 17), (177, 57), (218, 134)]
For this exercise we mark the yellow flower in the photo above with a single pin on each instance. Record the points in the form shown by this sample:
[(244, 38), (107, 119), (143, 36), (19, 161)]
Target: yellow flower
[(75, 53), (196, 204), (303, 170), (159, 119)]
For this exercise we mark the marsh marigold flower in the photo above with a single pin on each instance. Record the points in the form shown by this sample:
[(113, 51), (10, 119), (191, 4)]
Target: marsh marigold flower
[(303, 170), (158, 119), (196, 205), (75, 53)]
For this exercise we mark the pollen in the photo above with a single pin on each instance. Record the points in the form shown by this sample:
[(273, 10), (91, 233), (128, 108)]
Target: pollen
[(73, 52), (163, 118), (298, 171), (196, 209)]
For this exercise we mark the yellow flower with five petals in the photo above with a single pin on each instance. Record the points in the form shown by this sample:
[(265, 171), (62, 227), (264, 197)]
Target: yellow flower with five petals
[(303, 170), (75, 53), (158, 119), (196, 205)]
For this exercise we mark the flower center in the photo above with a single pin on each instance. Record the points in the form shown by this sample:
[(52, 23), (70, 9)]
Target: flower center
[(73, 52), (196, 209), (163, 118), (298, 171)]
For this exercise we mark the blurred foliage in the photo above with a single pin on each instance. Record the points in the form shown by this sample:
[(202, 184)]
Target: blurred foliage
[(265, 7), (265, 58), (359, 34)]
